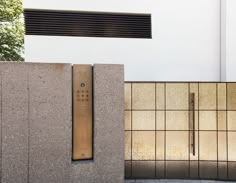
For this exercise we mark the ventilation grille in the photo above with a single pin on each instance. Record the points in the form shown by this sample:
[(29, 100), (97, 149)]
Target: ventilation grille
[(87, 24)]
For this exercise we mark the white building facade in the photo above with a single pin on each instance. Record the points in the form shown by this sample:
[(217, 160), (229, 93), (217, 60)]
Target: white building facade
[(192, 40)]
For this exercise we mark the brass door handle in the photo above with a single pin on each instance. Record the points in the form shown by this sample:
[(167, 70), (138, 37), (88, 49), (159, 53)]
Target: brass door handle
[(192, 122)]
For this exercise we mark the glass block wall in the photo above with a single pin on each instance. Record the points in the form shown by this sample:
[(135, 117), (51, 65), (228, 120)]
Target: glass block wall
[(180, 130)]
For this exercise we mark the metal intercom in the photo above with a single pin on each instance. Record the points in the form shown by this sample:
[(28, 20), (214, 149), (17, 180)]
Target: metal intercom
[(82, 112)]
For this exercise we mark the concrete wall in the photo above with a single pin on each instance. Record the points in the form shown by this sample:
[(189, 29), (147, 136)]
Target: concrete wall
[(36, 125), (185, 44)]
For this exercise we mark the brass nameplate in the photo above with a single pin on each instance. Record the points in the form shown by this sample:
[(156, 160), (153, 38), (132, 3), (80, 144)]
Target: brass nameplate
[(82, 112)]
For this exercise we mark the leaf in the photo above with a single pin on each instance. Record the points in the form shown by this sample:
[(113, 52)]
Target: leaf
[(11, 30)]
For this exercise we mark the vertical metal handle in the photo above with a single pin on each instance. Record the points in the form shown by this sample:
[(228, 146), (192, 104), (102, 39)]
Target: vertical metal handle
[(192, 122)]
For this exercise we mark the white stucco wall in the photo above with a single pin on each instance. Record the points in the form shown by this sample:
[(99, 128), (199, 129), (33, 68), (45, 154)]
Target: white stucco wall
[(185, 44), (228, 40)]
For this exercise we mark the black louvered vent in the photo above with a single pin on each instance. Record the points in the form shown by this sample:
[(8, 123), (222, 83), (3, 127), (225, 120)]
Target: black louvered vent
[(87, 24)]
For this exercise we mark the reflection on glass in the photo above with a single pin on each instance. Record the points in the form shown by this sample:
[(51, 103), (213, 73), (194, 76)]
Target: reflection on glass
[(160, 145), (143, 147), (193, 169), (127, 169), (177, 169), (221, 120), (127, 96), (177, 96), (160, 120), (231, 120), (177, 120), (128, 145), (207, 96), (207, 145), (222, 170), (177, 145), (207, 120), (160, 169), (143, 96), (222, 153), (232, 146), (143, 120), (127, 120), (221, 96), (143, 169), (231, 170), (231, 96), (160, 96), (208, 169)]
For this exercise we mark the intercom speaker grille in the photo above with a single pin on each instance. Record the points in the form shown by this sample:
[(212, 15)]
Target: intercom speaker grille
[(87, 24)]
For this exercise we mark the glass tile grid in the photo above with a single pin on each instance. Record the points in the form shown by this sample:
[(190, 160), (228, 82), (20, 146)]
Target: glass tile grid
[(160, 165)]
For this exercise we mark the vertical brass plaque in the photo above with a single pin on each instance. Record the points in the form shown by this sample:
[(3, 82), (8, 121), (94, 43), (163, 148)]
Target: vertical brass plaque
[(82, 112)]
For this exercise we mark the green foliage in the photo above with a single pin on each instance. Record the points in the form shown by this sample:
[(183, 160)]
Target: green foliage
[(11, 30)]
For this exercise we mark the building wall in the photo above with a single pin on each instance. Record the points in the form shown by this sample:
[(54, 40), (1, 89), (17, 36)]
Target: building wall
[(185, 45), (228, 40)]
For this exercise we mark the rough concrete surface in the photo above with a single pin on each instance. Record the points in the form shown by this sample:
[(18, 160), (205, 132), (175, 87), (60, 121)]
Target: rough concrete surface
[(108, 163), (14, 114), (36, 125), (50, 122)]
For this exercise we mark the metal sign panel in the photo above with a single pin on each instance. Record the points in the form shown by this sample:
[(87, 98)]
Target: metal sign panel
[(82, 112)]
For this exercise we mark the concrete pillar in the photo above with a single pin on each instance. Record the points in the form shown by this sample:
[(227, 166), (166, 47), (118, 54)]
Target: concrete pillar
[(50, 122), (36, 125), (108, 163), (14, 115)]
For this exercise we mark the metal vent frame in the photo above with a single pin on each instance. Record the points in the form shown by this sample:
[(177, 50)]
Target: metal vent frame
[(87, 24)]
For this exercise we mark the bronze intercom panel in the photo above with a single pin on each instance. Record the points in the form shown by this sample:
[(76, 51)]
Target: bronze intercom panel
[(82, 112)]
